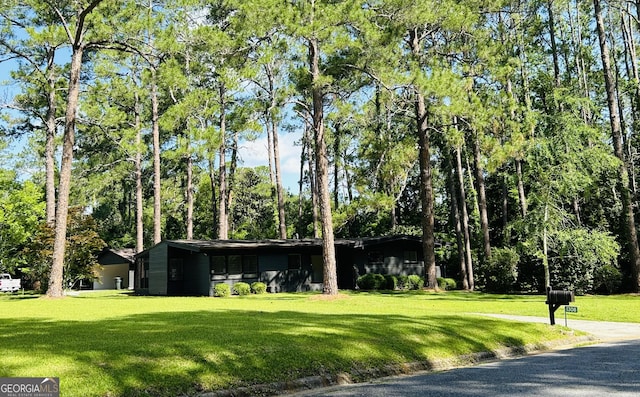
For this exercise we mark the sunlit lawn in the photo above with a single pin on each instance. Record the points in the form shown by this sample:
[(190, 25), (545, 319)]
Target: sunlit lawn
[(115, 344)]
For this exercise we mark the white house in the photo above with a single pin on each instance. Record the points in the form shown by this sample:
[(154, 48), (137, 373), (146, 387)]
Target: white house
[(116, 269)]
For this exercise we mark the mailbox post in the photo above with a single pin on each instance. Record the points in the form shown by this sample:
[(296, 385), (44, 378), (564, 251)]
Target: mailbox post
[(555, 299)]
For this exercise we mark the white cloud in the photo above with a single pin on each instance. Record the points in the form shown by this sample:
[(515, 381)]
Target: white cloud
[(255, 153)]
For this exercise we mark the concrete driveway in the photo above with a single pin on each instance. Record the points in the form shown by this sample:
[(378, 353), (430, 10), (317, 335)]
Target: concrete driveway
[(603, 330)]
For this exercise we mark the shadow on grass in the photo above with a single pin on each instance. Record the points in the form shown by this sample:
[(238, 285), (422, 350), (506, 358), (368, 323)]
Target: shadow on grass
[(19, 297), (172, 353), (456, 295)]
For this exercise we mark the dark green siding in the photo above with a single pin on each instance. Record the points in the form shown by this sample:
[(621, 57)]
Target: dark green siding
[(158, 260)]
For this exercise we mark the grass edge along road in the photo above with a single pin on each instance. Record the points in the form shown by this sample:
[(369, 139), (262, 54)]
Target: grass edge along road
[(116, 344)]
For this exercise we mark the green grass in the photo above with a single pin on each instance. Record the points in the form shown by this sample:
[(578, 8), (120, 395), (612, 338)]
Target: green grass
[(114, 344), (617, 308)]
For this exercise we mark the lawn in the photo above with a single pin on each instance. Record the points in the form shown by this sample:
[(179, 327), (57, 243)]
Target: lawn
[(116, 344)]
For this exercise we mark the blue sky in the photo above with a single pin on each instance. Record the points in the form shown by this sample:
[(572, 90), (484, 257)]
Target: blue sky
[(7, 90), (255, 153)]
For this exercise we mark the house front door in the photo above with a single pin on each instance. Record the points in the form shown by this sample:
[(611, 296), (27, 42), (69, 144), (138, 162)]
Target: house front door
[(175, 276), (317, 265)]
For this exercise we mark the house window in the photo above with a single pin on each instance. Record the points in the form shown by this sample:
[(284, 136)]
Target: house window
[(295, 262), (411, 256), (218, 265), (250, 265), (235, 264)]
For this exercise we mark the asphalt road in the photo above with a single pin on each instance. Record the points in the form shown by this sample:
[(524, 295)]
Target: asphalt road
[(607, 369), (610, 368)]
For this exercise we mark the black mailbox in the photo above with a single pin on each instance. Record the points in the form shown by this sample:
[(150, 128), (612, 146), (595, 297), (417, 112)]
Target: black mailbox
[(559, 297), (555, 299)]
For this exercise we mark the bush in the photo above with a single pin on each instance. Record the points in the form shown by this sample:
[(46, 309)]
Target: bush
[(577, 254), (607, 277), (403, 281), (371, 281), (501, 271), (447, 284), (259, 287), (221, 290), (390, 282), (241, 288), (414, 282)]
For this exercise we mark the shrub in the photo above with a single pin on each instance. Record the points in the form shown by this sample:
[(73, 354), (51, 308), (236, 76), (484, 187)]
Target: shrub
[(501, 271), (414, 282), (221, 290), (390, 282), (241, 288), (403, 282), (447, 284), (578, 253), (608, 277), (259, 287), (371, 281)]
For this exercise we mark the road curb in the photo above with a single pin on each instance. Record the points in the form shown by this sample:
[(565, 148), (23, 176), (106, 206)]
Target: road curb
[(359, 375)]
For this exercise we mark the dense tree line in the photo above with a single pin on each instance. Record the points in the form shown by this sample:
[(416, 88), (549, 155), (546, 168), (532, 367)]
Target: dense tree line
[(502, 132)]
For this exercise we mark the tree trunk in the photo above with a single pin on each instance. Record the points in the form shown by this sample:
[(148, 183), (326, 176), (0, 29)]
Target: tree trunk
[(518, 162), (50, 143), (303, 160), (330, 286), (336, 167), (634, 96), (313, 185), (426, 193), (616, 133), (581, 69), (138, 176), (269, 127), (545, 249), (505, 207), (56, 276), (552, 39), (275, 174), (464, 218), (231, 179), (282, 224), (275, 150), (455, 215), (223, 223), (521, 193), (212, 179), (157, 186), (426, 186), (189, 194), (576, 211), (348, 183), (62, 211), (630, 45), (482, 197)]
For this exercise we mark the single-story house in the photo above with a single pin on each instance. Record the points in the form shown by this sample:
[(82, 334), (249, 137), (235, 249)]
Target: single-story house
[(116, 269), (194, 267)]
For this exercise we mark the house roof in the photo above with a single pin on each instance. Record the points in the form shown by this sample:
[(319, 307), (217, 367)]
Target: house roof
[(111, 256), (210, 245), (370, 241)]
